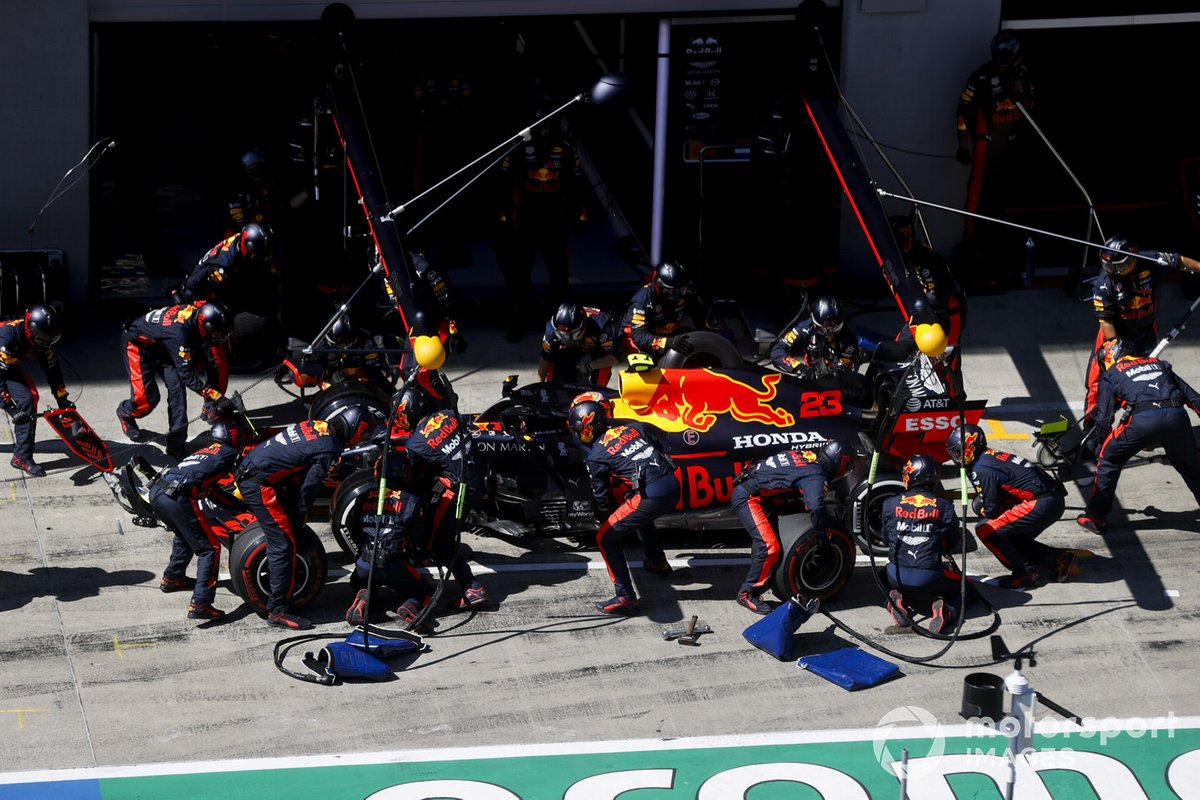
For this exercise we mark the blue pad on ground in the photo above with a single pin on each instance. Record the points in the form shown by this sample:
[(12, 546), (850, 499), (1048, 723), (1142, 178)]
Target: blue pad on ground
[(775, 633), (850, 668), (385, 644), (343, 661)]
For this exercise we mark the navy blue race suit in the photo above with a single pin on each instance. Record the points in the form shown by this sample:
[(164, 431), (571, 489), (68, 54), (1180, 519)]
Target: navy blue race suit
[(987, 118), (439, 452), (922, 530), (396, 563), (1155, 397), (633, 483), (1019, 502), (1129, 304), (166, 341), (18, 392), (542, 201), (175, 497), (761, 490), (804, 346), (279, 480), (561, 361), (650, 320)]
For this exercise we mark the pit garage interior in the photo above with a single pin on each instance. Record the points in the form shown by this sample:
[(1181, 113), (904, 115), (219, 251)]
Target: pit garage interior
[(184, 89)]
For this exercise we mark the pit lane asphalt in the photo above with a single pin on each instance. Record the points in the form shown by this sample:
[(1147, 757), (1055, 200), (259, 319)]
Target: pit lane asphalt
[(102, 669)]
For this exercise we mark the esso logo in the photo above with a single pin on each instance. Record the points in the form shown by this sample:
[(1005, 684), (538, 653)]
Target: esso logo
[(930, 422)]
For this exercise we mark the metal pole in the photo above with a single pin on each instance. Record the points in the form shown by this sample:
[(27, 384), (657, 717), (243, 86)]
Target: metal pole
[(658, 198), (885, 193)]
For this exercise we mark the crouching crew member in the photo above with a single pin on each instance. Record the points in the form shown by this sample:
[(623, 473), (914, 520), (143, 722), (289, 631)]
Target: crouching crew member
[(1019, 501), (34, 334), (633, 483), (818, 344), (171, 341), (175, 497), (922, 530), (395, 555), (1155, 398), (279, 480), (577, 346), (439, 453), (763, 487)]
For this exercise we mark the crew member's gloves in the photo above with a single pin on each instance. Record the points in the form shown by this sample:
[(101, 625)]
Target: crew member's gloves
[(963, 156), (681, 345), (224, 407), (457, 343), (19, 415)]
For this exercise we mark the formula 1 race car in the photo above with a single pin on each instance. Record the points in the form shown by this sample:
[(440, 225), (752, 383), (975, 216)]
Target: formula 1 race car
[(713, 420)]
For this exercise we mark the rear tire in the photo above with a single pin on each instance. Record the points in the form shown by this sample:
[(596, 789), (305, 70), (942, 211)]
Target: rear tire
[(248, 568), (357, 492), (812, 565), (329, 401), (709, 350)]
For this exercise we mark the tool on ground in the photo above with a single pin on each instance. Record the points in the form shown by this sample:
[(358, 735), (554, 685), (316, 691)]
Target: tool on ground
[(691, 631)]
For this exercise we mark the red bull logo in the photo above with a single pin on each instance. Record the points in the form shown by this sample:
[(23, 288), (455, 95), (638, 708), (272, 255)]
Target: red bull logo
[(921, 501), (432, 424), (698, 398)]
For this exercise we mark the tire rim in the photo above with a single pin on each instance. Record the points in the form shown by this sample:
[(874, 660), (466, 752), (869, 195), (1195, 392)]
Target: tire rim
[(300, 578), (818, 569)]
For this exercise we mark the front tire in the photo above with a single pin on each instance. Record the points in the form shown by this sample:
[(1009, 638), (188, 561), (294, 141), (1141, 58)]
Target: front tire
[(812, 565), (248, 568), (866, 513), (357, 494)]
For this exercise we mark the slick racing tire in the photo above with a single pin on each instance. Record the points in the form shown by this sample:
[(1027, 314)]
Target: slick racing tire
[(254, 342), (709, 349), (248, 568), (812, 564), (328, 401), (866, 513), (359, 492)]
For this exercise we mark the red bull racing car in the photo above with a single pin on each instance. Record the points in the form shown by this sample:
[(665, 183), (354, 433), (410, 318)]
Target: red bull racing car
[(713, 420)]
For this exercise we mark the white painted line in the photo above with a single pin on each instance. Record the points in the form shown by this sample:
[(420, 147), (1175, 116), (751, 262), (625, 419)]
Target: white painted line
[(1033, 408), (413, 755)]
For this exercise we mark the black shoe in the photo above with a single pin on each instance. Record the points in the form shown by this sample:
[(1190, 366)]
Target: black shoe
[(1031, 577), (27, 465), (941, 617), (168, 584), (356, 614), (1093, 524), (204, 611), (282, 619), (895, 607), (619, 606), (755, 603), (1064, 566), (132, 432)]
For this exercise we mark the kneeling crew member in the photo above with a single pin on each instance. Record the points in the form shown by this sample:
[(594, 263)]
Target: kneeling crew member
[(759, 491), (279, 480), (1019, 501), (439, 452), (396, 562), (175, 497), (922, 530), (633, 483), (1155, 397)]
